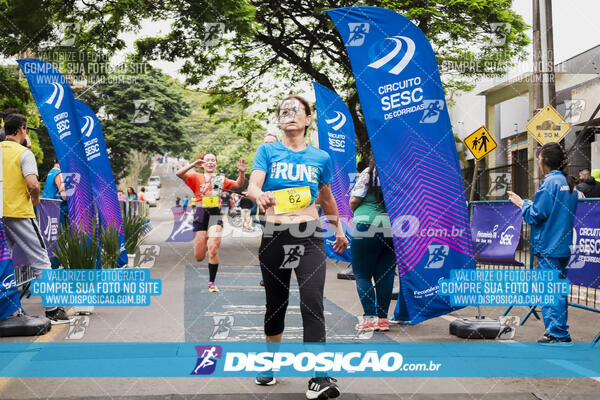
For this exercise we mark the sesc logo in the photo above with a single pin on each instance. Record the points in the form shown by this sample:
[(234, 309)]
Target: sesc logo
[(506, 237), (207, 359), (392, 57), (339, 120), (9, 282), (576, 261), (88, 126), (51, 229), (57, 95), (358, 33), (337, 141)]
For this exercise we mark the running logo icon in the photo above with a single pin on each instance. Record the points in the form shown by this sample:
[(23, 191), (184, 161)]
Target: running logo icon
[(501, 30), (500, 182), (143, 110), (391, 57), (358, 33), (437, 256), (574, 109), (77, 327), (148, 255), (68, 32), (213, 31), (207, 359), (339, 120), (222, 327), (292, 254), (432, 111), (57, 95), (71, 179)]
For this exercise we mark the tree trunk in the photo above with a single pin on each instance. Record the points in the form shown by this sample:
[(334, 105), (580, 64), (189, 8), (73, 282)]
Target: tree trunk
[(363, 146)]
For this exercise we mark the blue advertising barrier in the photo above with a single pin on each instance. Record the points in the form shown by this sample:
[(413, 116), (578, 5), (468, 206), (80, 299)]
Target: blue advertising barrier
[(496, 231), (584, 287)]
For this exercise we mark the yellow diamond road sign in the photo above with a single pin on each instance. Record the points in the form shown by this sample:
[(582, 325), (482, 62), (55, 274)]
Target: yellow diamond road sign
[(548, 126), (480, 143)]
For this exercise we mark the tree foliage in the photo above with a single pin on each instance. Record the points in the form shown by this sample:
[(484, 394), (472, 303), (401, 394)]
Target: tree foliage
[(159, 97), (230, 133), (275, 45), (272, 46)]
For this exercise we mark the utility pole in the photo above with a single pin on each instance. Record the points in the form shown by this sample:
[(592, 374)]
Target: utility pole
[(474, 180), (537, 86), (551, 82), (537, 89), (543, 87)]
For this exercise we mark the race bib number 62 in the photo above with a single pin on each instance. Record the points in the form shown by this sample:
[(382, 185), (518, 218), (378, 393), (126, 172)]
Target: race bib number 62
[(292, 199)]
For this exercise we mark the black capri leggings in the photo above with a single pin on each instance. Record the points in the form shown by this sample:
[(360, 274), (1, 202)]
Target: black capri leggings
[(287, 247)]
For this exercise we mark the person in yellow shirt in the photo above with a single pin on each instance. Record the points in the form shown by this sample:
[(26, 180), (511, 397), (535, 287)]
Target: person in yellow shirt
[(21, 192)]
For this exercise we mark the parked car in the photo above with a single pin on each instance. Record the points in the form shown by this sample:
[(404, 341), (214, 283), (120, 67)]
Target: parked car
[(154, 190), (154, 180), (151, 199)]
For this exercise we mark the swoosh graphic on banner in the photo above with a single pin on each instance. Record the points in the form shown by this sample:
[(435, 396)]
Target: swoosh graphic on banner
[(88, 127), (410, 51), (58, 89), (339, 117)]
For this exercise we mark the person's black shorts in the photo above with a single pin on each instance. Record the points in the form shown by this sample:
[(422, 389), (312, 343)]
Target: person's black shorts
[(204, 218)]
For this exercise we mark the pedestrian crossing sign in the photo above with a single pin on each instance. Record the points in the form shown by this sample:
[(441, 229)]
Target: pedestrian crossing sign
[(480, 143), (548, 126)]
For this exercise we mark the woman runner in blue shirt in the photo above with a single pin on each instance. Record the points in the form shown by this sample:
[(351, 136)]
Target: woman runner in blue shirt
[(287, 177), (551, 216)]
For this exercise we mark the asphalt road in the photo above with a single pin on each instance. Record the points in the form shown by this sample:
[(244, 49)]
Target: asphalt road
[(188, 312)]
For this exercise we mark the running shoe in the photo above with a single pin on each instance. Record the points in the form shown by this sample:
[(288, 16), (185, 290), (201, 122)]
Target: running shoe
[(322, 388), (383, 325), (367, 324), (549, 339), (265, 380), (58, 316), (212, 287)]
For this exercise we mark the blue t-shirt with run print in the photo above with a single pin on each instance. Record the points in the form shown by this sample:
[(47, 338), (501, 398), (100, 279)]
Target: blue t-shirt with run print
[(288, 169)]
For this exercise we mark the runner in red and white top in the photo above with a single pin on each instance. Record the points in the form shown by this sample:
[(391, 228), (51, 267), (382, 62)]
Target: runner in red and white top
[(208, 223)]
